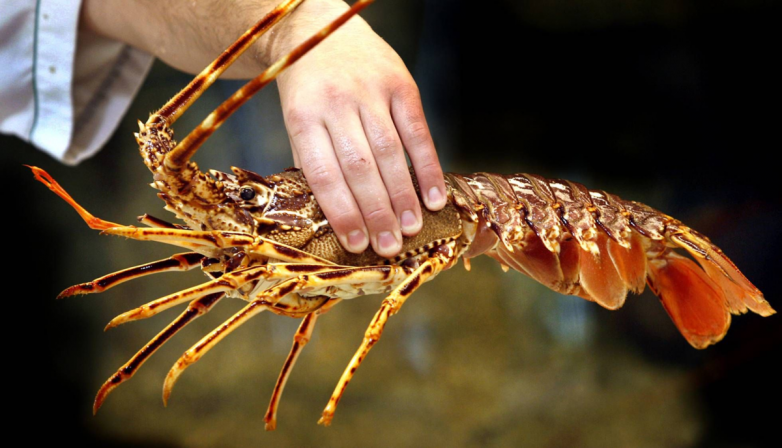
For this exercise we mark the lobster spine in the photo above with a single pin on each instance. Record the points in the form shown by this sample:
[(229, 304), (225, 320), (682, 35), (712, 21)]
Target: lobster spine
[(598, 246)]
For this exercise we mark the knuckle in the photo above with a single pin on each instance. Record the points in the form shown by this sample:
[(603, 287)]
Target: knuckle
[(384, 144), (407, 89), (357, 165), (378, 215), (320, 177), (299, 115), (332, 91), (404, 197), (299, 120), (417, 132), (344, 219), (337, 98), (429, 167)]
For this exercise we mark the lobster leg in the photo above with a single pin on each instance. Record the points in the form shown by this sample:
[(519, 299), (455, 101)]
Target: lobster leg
[(196, 309), (226, 283), (443, 259), (219, 239), (178, 262), (300, 339), (273, 298)]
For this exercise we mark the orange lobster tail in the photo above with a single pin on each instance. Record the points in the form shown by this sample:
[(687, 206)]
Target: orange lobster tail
[(597, 246)]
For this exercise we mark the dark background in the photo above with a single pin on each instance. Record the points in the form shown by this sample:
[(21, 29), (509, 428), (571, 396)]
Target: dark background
[(671, 103)]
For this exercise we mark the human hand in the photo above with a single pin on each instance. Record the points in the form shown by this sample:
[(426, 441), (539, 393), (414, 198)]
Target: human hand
[(352, 108)]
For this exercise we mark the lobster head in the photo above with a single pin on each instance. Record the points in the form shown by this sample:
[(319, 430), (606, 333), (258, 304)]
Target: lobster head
[(270, 205), (279, 207)]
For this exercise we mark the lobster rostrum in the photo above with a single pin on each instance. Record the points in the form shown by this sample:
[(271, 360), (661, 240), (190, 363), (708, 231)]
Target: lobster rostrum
[(265, 240)]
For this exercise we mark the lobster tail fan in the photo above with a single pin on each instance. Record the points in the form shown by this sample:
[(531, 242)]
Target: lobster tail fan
[(740, 294), (695, 303)]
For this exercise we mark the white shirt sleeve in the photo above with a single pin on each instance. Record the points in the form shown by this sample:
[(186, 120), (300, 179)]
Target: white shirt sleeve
[(63, 89)]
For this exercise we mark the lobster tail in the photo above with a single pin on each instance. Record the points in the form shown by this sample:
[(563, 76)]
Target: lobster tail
[(597, 246)]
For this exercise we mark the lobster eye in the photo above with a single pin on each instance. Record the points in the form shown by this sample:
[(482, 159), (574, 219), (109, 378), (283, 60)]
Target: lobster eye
[(247, 193)]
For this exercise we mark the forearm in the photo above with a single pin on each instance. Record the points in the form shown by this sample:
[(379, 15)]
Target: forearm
[(190, 38)]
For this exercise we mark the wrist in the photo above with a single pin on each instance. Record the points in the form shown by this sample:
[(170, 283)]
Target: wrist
[(309, 18)]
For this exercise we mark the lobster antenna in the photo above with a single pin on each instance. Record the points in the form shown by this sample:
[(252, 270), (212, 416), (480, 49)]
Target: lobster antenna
[(180, 155), (177, 105)]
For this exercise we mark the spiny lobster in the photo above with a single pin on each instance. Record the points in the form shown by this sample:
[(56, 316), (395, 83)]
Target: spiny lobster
[(264, 239)]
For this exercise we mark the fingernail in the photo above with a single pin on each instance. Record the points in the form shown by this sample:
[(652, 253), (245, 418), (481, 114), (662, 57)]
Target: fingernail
[(436, 198), (408, 222), (357, 240), (387, 242)]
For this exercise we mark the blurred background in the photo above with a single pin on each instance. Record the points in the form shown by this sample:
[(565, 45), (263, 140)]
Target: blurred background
[(671, 103)]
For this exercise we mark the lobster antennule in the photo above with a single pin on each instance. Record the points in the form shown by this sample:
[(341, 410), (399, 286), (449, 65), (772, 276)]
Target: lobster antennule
[(181, 154)]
